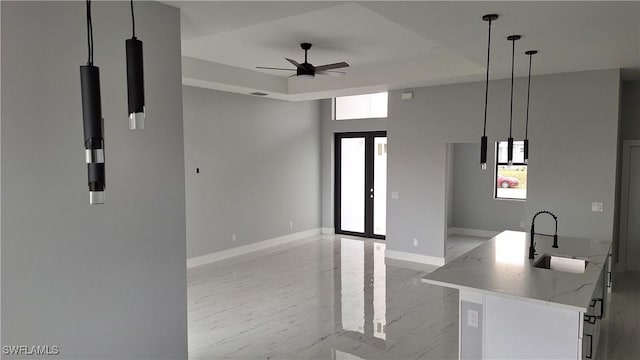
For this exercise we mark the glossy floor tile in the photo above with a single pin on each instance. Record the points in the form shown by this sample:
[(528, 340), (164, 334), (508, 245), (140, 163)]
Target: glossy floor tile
[(334, 297), (329, 297), (620, 331), (458, 245)]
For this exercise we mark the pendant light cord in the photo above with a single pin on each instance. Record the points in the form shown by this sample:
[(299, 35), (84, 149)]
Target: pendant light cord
[(526, 126), (486, 87), (513, 54), (133, 21), (89, 34)]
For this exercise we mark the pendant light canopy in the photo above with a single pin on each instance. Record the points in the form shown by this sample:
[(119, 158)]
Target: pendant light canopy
[(483, 140), (135, 78), (92, 120), (526, 127), (513, 39)]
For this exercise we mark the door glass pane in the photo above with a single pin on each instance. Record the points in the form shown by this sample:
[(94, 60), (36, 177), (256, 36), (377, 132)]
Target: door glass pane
[(352, 184), (380, 186)]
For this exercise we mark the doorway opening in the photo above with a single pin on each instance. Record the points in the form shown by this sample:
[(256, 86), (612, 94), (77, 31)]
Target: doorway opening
[(361, 184)]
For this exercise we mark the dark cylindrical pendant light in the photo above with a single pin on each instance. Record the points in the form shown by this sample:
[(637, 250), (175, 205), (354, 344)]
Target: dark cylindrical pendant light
[(135, 79), (526, 127), (92, 120), (483, 140), (513, 39)]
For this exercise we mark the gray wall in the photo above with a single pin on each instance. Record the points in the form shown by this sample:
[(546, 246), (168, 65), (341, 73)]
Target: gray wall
[(629, 130), (451, 151), (573, 129), (259, 163), (630, 116), (474, 206), (105, 281)]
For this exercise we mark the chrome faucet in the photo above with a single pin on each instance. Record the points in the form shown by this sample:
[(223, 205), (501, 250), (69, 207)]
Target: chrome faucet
[(532, 246)]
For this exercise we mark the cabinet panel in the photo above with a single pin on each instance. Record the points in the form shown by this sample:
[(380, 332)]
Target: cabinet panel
[(553, 328)]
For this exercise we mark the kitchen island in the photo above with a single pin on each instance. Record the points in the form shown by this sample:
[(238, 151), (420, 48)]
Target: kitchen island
[(511, 309)]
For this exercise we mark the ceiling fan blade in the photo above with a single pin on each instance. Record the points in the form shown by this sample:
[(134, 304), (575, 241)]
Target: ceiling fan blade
[(271, 68), (339, 65), (295, 63), (331, 73)]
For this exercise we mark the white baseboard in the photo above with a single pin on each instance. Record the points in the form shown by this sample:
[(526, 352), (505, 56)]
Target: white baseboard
[(472, 232), (417, 258), (328, 231), (245, 249)]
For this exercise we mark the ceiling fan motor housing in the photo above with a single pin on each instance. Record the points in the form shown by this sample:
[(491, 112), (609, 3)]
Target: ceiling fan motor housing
[(306, 70)]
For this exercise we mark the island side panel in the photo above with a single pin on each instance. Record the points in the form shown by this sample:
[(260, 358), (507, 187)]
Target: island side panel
[(524, 330), (471, 325)]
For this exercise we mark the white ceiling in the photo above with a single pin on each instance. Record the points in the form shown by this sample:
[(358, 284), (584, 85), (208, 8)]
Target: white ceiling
[(392, 44)]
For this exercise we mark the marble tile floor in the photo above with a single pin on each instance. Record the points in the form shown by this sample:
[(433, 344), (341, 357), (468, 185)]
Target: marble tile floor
[(458, 245), (335, 297), (620, 330), (329, 297)]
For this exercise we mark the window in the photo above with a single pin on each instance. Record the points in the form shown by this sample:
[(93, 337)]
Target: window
[(365, 106), (511, 181)]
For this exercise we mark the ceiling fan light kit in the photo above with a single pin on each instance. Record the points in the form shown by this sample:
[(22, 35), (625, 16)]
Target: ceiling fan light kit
[(308, 70)]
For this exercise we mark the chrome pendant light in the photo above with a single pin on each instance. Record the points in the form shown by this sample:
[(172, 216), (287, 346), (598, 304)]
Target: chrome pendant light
[(483, 140), (92, 120), (135, 78), (513, 39), (526, 127)]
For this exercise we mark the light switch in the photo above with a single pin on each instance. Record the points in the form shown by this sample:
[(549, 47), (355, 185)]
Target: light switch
[(472, 318), (597, 207), (394, 195), (407, 95)]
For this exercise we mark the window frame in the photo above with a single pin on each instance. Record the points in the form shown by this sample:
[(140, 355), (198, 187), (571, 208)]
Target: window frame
[(495, 177)]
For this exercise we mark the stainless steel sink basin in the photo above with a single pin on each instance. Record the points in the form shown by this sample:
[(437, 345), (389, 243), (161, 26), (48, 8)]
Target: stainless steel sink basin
[(561, 263)]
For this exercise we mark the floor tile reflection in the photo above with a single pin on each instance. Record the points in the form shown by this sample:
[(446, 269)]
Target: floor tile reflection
[(329, 297)]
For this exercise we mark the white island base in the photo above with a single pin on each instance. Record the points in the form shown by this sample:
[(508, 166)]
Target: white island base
[(511, 309), (496, 327)]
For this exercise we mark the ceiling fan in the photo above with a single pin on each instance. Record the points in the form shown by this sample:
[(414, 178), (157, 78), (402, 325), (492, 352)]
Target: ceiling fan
[(307, 69)]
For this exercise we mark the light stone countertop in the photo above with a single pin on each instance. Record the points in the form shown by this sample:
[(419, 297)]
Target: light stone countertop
[(501, 267)]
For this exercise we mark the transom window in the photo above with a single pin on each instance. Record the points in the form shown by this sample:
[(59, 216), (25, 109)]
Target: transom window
[(511, 181), (365, 106)]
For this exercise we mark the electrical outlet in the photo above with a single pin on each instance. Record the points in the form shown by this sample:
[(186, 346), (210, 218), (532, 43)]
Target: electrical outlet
[(290, 224), (233, 237), (597, 207), (415, 242)]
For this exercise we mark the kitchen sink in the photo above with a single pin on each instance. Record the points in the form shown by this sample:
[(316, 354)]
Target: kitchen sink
[(561, 263)]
